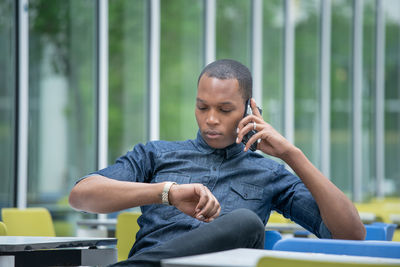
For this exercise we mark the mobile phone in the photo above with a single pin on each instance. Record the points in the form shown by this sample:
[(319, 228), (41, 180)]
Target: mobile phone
[(246, 138)]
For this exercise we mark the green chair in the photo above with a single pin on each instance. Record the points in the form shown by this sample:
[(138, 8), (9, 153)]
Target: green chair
[(28, 222), (268, 261), (3, 229), (125, 232)]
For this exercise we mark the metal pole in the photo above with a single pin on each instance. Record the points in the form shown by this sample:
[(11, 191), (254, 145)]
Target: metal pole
[(23, 103), (380, 98), (289, 72), (357, 100), (325, 103), (209, 31), (257, 55), (154, 70)]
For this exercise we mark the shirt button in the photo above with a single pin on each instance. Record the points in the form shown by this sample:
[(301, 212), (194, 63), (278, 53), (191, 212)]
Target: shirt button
[(214, 168), (245, 195)]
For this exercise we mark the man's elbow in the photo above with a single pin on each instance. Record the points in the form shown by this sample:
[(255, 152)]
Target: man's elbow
[(74, 198), (359, 233)]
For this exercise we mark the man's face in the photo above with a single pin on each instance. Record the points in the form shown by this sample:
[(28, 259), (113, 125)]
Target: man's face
[(219, 108)]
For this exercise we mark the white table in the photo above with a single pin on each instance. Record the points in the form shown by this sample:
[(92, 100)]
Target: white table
[(284, 227), (249, 258), (56, 251)]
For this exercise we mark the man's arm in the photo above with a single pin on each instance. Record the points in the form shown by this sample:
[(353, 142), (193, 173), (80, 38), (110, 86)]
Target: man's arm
[(99, 194), (337, 211)]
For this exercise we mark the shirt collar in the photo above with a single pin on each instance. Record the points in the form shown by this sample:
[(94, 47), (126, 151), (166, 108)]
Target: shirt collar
[(226, 152)]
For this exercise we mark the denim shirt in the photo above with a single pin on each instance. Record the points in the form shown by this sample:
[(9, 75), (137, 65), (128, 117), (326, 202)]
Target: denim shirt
[(237, 179)]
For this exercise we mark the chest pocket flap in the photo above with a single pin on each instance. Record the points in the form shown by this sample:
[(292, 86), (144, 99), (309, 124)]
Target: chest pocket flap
[(248, 191)]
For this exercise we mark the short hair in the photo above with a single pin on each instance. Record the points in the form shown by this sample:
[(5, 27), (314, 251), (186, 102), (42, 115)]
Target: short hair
[(230, 69)]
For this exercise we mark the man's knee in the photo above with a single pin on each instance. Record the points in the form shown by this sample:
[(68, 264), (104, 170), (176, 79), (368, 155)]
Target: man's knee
[(247, 220), (246, 225)]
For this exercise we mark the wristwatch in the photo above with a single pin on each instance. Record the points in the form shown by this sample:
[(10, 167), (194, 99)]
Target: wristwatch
[(164, 195)]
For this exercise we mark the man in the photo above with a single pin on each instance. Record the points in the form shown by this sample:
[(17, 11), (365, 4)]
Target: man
[(223, 193)]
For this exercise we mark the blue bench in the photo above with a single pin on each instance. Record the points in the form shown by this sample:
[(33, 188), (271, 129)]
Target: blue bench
[(380, 231), (385, 249)]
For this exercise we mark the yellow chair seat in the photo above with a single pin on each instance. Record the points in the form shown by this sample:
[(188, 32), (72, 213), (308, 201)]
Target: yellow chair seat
[(125, 232), (28, 222)]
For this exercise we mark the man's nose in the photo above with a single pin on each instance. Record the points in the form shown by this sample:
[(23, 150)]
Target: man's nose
[(212, 118)]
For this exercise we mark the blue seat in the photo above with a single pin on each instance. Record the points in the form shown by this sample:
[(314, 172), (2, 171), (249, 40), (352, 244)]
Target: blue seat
[(385, 249), (271, 237), (380, 231)]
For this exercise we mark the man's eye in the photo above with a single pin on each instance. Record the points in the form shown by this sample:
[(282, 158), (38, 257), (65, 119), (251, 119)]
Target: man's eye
[(226, 110), (202, 108)]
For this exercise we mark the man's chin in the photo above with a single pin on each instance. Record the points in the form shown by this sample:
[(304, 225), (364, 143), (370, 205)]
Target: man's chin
[(216, 143)]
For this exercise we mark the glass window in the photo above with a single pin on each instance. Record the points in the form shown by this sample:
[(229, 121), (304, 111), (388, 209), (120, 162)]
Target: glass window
[(234, 30), (128, 87), (392, 98), (341, 95), (273, 31), (307, 72), (368, 89), (62, 134), (7, 102), (181, 63)]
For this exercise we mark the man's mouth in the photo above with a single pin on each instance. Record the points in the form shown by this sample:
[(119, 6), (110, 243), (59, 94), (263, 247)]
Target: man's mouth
[(210, 134)]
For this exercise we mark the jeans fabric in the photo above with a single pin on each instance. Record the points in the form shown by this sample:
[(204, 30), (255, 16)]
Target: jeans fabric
[(241, 228)]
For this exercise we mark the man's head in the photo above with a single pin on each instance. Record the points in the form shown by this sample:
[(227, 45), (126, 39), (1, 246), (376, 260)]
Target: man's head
[(223, 88), (225, 69)]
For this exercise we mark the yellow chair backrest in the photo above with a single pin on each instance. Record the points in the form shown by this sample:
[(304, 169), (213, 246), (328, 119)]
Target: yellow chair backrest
[(28, 222), (125, 232), (268, 261), (3, 229)]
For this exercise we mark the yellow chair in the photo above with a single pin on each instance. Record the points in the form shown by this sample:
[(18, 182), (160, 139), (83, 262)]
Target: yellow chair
[(28, 222), (268, 261), (125, 232), (3, 229), (276, 217)]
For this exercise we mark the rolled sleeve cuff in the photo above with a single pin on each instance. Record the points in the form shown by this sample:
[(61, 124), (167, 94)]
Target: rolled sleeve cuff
[(324, 232)]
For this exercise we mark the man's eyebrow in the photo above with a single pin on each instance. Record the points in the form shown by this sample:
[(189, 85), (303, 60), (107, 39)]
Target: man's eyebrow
[(221, 103), (226, 103)]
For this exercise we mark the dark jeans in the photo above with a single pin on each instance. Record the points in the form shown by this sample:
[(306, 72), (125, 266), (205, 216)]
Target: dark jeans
[(241, 228)]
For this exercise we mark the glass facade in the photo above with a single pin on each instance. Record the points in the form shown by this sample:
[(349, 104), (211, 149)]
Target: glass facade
[(341, 95), (272, 90), (306, 78), (368, 97), (62, 101), (392, 98), (233, 29), (180, 64), (63, 73), (128, 76), (7, 102)]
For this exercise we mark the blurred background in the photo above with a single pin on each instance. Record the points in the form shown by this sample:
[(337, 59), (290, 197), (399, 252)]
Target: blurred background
[(83, 81)]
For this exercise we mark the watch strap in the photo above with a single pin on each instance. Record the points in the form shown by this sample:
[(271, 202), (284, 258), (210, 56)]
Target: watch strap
[(165, 192)]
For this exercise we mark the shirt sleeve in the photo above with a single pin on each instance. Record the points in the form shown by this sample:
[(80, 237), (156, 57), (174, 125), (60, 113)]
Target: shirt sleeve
[(294, 201), (135, 166)]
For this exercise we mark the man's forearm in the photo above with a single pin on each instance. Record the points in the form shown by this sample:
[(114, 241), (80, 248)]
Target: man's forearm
[(99, 194), (337, 211)]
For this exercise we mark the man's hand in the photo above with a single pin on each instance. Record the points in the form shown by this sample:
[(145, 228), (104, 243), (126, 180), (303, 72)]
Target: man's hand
[(337, 211), (271, 142), (195, 200)]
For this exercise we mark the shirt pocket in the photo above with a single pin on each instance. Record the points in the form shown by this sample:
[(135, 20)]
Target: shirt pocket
[(243, 195), (164, 211)]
